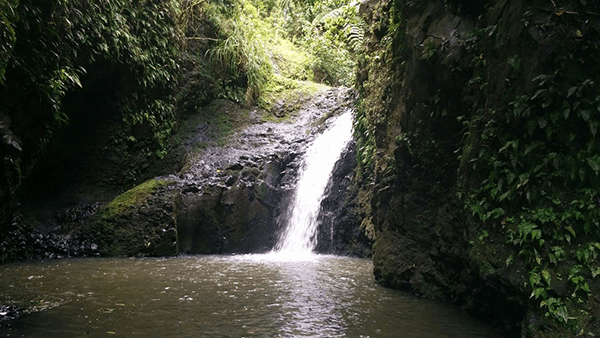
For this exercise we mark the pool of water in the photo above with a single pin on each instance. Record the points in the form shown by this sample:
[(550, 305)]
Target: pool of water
[(219, 296)]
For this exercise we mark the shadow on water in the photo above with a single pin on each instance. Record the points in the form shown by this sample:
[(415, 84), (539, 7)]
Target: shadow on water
[(217, 296)]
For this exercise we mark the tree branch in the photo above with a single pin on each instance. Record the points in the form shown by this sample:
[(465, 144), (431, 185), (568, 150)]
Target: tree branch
[(200, 38)]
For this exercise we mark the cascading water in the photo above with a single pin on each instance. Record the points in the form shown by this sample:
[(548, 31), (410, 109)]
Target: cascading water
[(300, 233)]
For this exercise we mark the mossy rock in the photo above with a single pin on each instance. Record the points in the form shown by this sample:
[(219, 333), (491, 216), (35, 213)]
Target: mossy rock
[(133, 197), (284, 97), (138, 222)]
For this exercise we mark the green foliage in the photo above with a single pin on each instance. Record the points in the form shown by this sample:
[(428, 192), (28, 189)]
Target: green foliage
[(7, 33), (56, 43), (331, 65), (331, 31), (253, 43), (365, 141), (376, 107), (535, 159), (50, 48), (243, 46), (144, 38), (342, 26), (291, 61), (292, 93)]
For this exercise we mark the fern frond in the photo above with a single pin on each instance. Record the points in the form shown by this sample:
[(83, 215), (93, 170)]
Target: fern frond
[(328, 14), (285, 4), (355, 34)]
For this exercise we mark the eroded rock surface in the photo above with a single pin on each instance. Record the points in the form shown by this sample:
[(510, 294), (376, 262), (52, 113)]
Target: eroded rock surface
[(339, 231), (227, 198)]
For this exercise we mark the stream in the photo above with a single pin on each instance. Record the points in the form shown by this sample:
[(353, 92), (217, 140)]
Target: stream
[(220, 296)]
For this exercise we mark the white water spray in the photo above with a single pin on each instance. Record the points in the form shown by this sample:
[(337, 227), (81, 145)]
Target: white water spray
[(300, 236)]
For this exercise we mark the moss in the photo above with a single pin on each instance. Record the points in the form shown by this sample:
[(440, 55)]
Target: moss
[(120, 230), (221, 118), (132, 197), (512, 231), (292, 92), (252, 171)]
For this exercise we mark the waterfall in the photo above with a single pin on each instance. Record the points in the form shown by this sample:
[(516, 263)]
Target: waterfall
[(300, 235)]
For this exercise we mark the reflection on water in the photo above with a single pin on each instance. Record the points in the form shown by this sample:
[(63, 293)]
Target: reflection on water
[(215, 296)]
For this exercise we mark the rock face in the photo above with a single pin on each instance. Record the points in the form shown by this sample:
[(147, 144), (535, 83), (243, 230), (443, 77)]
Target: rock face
[(138, 222), (454, 94), (233, 199), (237, 216), (229, 198), (339, 231)]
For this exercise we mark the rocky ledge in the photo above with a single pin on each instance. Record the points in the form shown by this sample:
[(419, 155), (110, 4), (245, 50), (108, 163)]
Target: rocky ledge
[(228, 198)]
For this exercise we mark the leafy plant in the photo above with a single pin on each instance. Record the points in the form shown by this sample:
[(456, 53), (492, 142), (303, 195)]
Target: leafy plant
[(242, 49), (55, 46), (536, 161)]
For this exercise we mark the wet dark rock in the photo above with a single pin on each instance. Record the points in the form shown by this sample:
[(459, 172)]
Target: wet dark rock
[(339, 222), (243, 211), (420, 243), (72, 216), (230, 199), (415, 90), (190, 189), (230, 180), (56, 237), (236, 166), (227, 199)]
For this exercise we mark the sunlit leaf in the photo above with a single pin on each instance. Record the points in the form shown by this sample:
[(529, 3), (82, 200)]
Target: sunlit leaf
[(562, 314), (546, 275)]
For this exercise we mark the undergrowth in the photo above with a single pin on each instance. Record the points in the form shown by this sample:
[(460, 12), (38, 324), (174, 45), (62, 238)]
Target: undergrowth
[(259, 44)]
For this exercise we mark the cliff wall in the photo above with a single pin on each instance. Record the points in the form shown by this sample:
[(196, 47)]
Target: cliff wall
[(477, 152)]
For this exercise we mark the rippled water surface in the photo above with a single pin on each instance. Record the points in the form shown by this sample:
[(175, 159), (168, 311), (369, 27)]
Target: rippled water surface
[(216, 296)]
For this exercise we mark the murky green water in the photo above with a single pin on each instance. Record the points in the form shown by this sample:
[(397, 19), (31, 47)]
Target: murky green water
[(215, 296)]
